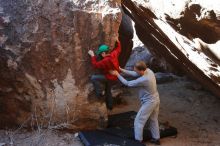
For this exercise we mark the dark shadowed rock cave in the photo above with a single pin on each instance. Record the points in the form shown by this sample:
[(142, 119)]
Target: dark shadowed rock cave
[(45, 68)]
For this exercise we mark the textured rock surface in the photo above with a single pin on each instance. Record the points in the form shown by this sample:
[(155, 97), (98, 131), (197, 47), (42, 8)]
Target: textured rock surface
[(44, 66), (191, 51)]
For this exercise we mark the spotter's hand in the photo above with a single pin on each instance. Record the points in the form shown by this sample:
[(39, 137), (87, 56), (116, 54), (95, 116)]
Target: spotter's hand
[(114, 72), (120, 69)]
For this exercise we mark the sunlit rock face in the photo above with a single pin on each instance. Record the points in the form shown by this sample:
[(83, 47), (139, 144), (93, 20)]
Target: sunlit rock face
[(44, 65), (185, 33)]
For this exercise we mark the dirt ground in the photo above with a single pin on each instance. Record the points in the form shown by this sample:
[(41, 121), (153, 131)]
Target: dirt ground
[(194, 111)]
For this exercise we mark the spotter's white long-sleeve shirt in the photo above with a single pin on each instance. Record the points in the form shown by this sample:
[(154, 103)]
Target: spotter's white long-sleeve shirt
[(146, 84)]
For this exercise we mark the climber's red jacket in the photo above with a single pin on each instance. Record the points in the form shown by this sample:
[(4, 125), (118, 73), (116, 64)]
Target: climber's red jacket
[(108, 63)]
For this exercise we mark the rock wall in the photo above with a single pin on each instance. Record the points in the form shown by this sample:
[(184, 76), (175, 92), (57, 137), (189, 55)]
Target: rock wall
[(44, 66), (177, 43)]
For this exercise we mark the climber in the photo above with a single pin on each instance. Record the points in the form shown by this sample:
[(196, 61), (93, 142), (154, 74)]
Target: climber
[(149, 97), (107, 61)]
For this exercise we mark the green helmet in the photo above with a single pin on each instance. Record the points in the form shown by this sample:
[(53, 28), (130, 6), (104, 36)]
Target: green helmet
[(102, 48)]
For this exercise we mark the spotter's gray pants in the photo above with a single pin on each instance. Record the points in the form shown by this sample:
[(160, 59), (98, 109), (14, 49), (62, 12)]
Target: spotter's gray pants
[(148, 112)]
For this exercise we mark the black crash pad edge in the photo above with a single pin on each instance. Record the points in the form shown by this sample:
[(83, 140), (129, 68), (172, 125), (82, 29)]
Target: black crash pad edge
[(93, 138)]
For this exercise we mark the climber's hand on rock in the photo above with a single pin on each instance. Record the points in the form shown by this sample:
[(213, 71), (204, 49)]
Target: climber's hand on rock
[(116, 43), (91, 53), (117, 40), (114, 72)]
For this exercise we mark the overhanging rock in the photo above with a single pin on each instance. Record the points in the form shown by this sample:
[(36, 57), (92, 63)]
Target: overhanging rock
[(197, 59)]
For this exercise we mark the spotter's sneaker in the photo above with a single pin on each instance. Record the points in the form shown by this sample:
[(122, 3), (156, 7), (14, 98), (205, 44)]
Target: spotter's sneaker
[(155, 141)]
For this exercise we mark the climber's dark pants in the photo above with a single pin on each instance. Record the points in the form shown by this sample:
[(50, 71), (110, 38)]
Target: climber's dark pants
[(97, 80)]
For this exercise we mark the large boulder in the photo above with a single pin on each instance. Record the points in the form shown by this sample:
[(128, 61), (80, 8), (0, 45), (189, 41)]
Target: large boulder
[(185, 33), (44, 65)]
